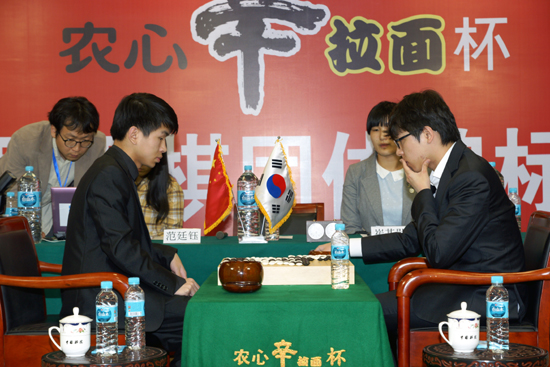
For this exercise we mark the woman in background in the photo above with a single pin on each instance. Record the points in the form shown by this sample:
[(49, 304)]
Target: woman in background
[(161, 198), (376, 192)]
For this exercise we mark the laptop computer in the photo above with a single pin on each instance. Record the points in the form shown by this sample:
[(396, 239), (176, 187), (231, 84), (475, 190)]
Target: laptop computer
[(61, 204)]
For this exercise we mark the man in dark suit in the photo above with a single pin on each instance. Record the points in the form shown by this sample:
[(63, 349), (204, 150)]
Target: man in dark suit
[(106, 231), (465, 222)]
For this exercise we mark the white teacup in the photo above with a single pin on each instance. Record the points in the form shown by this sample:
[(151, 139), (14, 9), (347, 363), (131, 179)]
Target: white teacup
[(74, 334), (463, 329)]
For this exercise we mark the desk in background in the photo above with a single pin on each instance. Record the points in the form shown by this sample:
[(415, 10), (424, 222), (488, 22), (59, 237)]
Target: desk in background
[(299, 322), (200, 260)]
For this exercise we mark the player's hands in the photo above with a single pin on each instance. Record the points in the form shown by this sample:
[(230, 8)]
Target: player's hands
[(324, 247), (189, 288), (418, 180), (177, 267)]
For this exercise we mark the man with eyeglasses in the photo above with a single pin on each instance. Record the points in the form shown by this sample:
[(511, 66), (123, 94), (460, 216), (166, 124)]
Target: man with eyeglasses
[(61, 150), (462, 217)]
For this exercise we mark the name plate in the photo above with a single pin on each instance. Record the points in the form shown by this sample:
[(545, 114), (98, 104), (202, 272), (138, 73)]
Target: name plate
[(376, 230), (182, 235)]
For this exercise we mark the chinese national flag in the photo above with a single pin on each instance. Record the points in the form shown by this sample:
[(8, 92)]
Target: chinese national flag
[(219, 199)]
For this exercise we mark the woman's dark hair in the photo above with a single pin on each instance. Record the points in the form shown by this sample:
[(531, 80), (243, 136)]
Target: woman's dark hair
[(426, 108), (145, 111), (157, 191), (76, 113), (379, 115)]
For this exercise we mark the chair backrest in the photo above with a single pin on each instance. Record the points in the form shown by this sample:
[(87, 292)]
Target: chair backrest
[(301, 213), (8, 224), (18, 257), (537, 251)]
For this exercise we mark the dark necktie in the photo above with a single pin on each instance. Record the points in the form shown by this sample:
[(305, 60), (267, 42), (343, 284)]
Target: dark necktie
[(433, 189)]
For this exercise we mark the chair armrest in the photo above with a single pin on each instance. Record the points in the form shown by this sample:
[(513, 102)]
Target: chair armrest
[(416, 278), (402, 267), (49, 267), (120, 282)]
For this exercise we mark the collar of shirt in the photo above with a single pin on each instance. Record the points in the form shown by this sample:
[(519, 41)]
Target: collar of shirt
[(436, 174), (132, 168), (396, 175)]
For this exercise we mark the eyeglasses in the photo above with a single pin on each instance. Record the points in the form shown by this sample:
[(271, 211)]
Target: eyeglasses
[(401, 138), (70, 143)]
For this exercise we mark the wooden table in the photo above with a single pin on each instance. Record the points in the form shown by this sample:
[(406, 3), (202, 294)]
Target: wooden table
[(519, 355), (149, 356)]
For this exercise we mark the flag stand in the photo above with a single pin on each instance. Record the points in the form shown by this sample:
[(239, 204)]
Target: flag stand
[(247, 238)]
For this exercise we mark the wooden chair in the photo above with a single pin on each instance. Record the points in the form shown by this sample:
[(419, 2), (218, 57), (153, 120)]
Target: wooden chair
[(409, 274), (23, 321), (301, 213)]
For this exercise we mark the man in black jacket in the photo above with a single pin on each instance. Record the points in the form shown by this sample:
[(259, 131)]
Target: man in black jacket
[(462, 217), (106, 231)]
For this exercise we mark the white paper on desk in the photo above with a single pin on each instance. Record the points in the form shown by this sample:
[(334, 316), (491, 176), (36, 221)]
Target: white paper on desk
[(376, 230), (182, 235)]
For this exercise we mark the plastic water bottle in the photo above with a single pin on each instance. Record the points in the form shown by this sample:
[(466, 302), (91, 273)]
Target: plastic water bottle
[(500, 176), (134, 301), (515, 199), (11, 205), (497, 316), (29, 202), (340, 258), (249, 215), (106, 306)]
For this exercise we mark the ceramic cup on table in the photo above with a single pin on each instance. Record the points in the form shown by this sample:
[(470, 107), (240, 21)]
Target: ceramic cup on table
[(74, 331), (463, 329)]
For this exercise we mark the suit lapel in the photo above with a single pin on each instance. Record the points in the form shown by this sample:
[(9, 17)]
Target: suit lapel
[(45, 157)]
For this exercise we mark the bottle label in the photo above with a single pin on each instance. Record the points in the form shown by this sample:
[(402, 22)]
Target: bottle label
[(340, 252), (246, 198), (11, 212), (135, 308), (28, 199), (518, 209), (497, 310), (106, 314)]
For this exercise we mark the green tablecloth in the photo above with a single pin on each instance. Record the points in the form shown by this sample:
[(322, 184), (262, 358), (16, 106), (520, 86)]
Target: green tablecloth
[(200, 260), (302, 323)]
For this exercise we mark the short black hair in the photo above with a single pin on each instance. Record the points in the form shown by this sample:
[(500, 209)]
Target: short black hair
[(426, 108), (379, 115), (145, 111), (76, 113)]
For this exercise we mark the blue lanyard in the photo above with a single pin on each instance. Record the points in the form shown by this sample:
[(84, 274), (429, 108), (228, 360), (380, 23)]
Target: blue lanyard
[(56, 167)]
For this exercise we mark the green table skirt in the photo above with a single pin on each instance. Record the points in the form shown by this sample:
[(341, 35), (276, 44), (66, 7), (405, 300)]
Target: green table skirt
[(301, 324)]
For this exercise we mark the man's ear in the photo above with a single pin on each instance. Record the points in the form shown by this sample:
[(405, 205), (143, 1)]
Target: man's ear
[(54, 131), (428, 133), (133, 134)]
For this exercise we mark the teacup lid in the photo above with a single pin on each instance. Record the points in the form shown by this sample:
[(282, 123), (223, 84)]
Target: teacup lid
[(463, 313), (76, 318)]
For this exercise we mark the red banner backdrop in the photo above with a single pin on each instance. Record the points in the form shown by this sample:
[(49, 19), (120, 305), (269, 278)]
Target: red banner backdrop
[(249, 71)]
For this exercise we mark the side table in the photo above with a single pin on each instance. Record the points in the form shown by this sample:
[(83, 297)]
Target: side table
[(149, 356), (519, 355)]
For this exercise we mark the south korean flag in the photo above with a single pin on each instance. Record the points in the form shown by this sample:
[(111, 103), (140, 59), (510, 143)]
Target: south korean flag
[(275, 192)]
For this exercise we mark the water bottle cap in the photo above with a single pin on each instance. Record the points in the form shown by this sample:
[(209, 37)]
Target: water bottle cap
[(513, 190), (10, 194), (493, 164), (106, 284), (340, 226), (496, 279), (29, 168), (133, 281), (248, 168)]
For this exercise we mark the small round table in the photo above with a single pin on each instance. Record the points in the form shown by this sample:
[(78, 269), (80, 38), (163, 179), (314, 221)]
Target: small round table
[(518, 355), (152, 356)]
